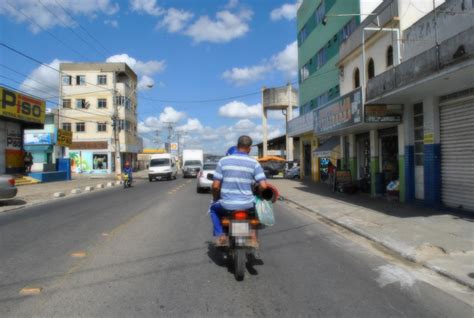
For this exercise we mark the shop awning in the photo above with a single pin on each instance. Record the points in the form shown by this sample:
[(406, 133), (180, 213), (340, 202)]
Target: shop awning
[(330, 148)]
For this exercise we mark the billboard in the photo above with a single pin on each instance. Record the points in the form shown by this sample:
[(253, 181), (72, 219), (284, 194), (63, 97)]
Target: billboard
[(40, 138), (383, 113), (344, 112), (21, 107)]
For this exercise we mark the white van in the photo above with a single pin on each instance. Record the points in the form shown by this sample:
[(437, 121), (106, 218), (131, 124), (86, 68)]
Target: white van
[(162, 166)]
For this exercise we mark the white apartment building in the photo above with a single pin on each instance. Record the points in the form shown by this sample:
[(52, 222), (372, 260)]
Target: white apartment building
[(89, 93)]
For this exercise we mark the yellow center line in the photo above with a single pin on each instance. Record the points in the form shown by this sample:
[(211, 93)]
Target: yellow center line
[(27, 291)]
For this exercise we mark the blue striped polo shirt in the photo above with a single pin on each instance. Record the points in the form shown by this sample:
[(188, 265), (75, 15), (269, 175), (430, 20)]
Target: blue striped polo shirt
[(237, 173)]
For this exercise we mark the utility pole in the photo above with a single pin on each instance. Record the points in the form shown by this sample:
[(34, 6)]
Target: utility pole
[(116, 126), (157, 139)]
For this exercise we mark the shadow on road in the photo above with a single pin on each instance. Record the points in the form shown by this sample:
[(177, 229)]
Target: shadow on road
[(12, 202), (220, 257)]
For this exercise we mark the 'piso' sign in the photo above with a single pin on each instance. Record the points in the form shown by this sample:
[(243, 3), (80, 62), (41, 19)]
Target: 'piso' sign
[(22, 107)]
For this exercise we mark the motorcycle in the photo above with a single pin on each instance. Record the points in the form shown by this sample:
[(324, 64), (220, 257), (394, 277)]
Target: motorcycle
[(241, 227), (126, 181)]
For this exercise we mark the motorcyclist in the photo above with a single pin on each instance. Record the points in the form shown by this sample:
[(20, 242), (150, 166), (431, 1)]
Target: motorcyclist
[(127, 170), (232, 186)]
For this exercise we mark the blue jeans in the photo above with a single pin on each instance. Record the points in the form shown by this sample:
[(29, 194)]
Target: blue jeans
[(216, 211)]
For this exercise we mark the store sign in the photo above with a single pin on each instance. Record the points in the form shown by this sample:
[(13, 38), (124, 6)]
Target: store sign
[(383, 113), (428, 139), (174, 146), (22, 107), (343, 112), (38, 139), (13, 139), (64, 138)]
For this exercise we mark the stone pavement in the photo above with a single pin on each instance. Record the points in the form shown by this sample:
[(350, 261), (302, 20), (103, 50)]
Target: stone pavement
[(43, 192), (442, 241)]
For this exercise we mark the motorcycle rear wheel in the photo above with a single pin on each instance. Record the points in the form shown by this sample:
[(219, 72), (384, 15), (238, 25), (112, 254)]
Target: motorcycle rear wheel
[(239, 264)]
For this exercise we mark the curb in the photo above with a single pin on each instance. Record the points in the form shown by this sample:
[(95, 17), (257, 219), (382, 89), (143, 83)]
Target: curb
[(372, 238)]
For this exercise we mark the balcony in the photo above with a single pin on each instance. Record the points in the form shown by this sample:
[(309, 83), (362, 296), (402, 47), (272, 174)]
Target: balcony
[(301, 125)]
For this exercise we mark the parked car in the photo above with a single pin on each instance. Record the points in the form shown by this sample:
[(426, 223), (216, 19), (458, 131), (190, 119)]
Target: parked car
[(202, 182), (293, 173), (162, 166), (7, 187)]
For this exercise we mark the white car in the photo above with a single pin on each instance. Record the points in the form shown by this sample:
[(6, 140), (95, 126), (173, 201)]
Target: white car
[(162, 166), (7, 187), (202, 182)]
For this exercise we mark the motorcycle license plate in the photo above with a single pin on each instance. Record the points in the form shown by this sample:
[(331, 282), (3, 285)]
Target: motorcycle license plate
[(240, 229)]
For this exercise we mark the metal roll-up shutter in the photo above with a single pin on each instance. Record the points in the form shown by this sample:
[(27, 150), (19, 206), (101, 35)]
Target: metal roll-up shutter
[(457, 153)]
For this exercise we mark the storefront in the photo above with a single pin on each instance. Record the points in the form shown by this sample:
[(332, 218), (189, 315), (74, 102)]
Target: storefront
[(17, 113), (368, 139), (90, 157)]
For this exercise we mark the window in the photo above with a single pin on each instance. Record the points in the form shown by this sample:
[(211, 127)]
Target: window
[(348, 29), (101, 127), (81, 103), (319, 13), (390, 56), (67, 80), (80, 127), (80, 80), (356, 78), (67, 126), (101, 103), (102, 79), (304, 72), (303, 34), (419, 134), (66, 103), (370, 68), (321, 57)]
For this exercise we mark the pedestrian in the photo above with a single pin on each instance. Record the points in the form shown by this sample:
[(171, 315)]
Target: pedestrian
[(28, 161)]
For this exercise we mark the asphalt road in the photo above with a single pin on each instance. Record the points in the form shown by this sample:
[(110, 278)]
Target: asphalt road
[(146, 252)]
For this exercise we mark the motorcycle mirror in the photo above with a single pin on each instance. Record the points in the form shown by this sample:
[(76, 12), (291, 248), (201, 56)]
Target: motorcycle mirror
[(210, 176)]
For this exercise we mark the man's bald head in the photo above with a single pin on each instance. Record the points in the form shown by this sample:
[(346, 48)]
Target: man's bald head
[(244, 144)]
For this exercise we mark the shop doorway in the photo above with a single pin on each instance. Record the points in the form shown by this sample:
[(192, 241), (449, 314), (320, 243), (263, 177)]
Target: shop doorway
[(363, 161), (389, 154), (307, 160)]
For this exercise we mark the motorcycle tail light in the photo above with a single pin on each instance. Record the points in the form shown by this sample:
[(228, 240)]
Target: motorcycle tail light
[(11, 182), (240, 215), (225, 222), (254, 222)]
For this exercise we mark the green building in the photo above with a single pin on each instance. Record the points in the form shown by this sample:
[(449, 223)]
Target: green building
[(322, 26)]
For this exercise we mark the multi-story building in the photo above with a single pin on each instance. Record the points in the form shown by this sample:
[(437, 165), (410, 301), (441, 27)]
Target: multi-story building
[(91, 93), (434, 84), (322, 26)]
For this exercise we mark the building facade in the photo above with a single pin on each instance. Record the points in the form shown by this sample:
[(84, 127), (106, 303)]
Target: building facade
[(18, 112), (322, 26), (91, 93), (435, 86)]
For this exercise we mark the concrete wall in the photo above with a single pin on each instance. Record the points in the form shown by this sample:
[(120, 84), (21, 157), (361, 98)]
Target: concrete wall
[(421, 35)]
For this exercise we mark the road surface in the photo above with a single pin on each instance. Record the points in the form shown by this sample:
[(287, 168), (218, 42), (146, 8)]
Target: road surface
[(146, 252)]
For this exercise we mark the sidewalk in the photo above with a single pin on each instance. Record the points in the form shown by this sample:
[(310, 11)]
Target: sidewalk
[(438, 240), (43, 192)]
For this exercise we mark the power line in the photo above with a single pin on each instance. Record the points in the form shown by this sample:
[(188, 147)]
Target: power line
[(29, 77), (83, 28), (51, 34), (68, 27)]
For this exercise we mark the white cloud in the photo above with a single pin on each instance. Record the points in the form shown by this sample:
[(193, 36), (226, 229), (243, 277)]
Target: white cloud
[(43, 81), (171, 115), (146, 6), (232, 4), (286, 11), (285, 61), (145, 82), (238, 109), (112, 23), (144, 70), (244, 124), (225, 27), (192, 125), (244, 75), (46, 20), (175, 20)]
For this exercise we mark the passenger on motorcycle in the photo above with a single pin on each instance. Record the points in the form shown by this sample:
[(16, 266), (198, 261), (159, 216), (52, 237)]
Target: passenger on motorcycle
[(232, 186)]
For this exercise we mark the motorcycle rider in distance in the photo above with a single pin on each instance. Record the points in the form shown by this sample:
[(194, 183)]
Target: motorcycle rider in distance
[(127, 170), (232, 185)]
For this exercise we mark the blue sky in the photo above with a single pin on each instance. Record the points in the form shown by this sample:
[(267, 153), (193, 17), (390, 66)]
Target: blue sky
[(190, 50)]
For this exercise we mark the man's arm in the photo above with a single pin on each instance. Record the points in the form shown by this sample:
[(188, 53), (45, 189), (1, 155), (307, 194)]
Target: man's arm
[(260, 178), (216, 190)]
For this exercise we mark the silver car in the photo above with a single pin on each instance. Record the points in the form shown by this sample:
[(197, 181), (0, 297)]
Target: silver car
[(202, 182), (7, 187)]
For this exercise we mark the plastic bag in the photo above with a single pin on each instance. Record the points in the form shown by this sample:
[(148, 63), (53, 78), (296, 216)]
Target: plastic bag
[(264, 210)]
